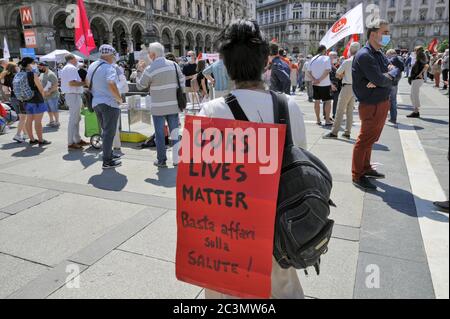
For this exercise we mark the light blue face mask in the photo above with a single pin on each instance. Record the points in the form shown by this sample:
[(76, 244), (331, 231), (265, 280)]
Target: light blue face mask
[(385, 39)]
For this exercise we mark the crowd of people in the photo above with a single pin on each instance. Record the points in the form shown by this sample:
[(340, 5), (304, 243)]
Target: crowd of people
[(368, 76)]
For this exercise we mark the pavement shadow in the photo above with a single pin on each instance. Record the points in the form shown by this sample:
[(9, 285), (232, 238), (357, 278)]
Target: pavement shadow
[(390, 192), (435, 121), (14, 145), (48, 129), (85, 160), (166, 177), (29, 151), (377, 147), (109, 180)]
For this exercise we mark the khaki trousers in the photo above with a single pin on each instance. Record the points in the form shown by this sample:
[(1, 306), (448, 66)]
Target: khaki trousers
[(345, 105), (285, 285)]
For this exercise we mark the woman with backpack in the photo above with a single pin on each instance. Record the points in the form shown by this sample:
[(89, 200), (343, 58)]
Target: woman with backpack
[(241, 39), (34, 106), (12, 69)]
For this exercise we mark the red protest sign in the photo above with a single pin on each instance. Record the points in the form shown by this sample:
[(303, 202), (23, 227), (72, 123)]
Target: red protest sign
[(30, 38), (227, 187)]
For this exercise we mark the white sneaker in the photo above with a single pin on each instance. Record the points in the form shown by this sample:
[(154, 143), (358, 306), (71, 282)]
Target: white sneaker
[(18, 139)]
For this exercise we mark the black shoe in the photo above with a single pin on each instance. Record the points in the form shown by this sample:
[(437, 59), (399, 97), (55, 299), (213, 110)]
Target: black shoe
[(365, 184), (393, 122), (414, 115), (329, 136), (347, 136), (111, 164), (44, 142), (33, 142), (160, 164), (443, 206), (374, 174)]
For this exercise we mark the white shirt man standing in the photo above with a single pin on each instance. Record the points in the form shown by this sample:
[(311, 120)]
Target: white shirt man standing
[(72, 87), (319, 70), (346, 101)]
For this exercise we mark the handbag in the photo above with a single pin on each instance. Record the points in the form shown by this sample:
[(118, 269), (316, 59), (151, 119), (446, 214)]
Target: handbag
[(88, 93), (181, 96)]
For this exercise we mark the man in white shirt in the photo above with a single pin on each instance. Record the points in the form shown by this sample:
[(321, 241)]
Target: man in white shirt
[(319, 70), (346, 101), (307, 78), (72, 87)]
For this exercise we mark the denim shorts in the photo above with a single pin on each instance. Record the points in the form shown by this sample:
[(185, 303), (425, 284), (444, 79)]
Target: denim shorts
[(52, 104), (35, 108)]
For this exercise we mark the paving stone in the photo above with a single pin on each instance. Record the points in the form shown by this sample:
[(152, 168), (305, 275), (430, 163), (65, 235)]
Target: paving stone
[(349, 201), (392, 231), (30, 202), (56, 229), (3, 215), (48, 282), (13, 193), (148, 242), (398, 278), (337, 274), (15, 273), (125, 275)]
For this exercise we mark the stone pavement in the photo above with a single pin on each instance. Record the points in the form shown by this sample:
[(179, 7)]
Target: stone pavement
[(61, 215)]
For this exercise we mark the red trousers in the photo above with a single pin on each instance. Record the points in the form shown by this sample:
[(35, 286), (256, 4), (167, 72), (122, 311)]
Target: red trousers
[(373, 118)]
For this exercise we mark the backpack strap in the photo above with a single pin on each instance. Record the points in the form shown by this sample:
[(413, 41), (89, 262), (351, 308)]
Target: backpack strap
[(93, 73), (281, 114), (235, 108)]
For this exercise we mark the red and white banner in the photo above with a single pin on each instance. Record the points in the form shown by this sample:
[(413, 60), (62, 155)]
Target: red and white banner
[(26, 15), (84, 39), (30, 38), (354, 38), (350, 23)]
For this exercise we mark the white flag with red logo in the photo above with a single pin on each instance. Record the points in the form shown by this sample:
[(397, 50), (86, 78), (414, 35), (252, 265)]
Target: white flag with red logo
[(350, 23)]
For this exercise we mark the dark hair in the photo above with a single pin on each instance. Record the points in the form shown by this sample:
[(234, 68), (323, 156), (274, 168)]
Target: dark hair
[(274, 49), (321, 49), (376, 27), (26, 61), (245, 50), (170, 56), (422, 57), (201, 65), (69, 57)]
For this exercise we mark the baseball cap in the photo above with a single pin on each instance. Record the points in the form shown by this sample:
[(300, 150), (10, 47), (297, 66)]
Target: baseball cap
[(43, 63), (106, 49)]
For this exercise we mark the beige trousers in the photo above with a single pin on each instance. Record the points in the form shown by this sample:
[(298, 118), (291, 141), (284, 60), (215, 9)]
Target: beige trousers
[(285, 285), (346, 102), (415, 91)]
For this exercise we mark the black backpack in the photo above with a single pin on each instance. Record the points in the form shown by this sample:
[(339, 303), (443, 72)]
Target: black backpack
[(302, 227)]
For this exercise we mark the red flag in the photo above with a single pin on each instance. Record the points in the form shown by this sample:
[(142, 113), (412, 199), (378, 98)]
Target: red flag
[(354, 38), (84, 40), (432, 47), (274, 40)]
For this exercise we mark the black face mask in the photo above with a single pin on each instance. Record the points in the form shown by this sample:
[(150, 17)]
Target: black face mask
[(41, 71)]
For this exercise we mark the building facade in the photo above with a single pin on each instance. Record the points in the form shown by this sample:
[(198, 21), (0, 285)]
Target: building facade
[(298, 25), (180, 25), (413, 22)]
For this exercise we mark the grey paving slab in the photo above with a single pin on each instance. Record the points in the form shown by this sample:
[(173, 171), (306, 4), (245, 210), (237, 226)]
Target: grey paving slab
[(346, 232), (56, 229), (337, 275), (390, 193), (102, 246), (48, 282), (392, 231), (147, 179), (148, 242), (398, 278), (349, 201), (30, 202), (16, 272), (13, 193), (3, 215), (112, 193), (125, 275)]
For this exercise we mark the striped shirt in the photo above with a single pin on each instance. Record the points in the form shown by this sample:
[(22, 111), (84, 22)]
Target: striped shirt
[(160, 77)]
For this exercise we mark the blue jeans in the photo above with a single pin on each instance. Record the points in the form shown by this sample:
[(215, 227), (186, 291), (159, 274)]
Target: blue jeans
[(107, 117), (393, 99), (159, 122)]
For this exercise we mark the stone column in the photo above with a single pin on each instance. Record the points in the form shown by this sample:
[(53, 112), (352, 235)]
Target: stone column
[(130, 41), (110, 37)]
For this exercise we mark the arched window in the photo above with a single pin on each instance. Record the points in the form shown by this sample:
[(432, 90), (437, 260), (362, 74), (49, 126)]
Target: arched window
[(178, 8), (165, 6), (199, 11), (189, 8)]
